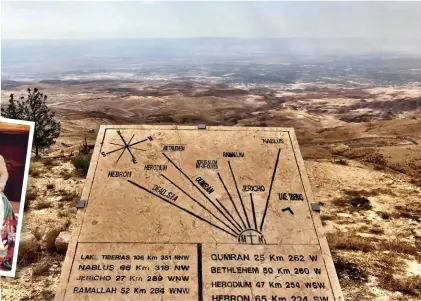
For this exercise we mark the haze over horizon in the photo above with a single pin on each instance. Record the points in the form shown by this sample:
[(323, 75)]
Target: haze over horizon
[(62, 39), (234, 19)]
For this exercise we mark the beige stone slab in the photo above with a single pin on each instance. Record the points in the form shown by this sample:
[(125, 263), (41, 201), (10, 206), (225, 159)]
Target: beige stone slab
[(139, 272), (294, 272), (222, 187)]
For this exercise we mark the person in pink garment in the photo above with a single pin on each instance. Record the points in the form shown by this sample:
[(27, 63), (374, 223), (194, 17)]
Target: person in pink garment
[(7, 220)]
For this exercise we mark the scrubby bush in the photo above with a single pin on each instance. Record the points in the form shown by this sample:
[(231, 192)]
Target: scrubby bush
[(34, 171), (31, 195), (81, 163), (49, 163), (68, 196)]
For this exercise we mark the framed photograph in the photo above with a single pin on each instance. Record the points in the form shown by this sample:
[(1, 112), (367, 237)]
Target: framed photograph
[(15, 155)]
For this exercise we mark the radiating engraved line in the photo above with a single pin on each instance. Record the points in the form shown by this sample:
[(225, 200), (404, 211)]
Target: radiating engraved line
[(121, 136), (128, 148), (139, 142), (116, 144), (232, 201), (137, 148), (194, 185), (121, 154), (197, 202), (128, 143), (125, 147), (238, 227), (270, 190), (116, 150), (254, 212), (181, 208), (122, 146), (239, 195)]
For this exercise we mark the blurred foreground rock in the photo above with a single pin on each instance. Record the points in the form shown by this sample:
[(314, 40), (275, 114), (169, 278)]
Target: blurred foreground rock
[(28, 244), (62, 242), (49, 238), (417, 233)]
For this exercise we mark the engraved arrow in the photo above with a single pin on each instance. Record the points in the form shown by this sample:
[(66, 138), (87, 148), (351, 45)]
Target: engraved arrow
[(288, 209)]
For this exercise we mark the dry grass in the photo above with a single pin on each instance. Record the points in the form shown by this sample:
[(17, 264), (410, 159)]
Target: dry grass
[(327, 217), (347, 270), (341, 161), (31, 195), (66, 212), (378, 230), (384, 215), (406, 285), (341, 241), (42, 204), (369, 193), (29, 258), (34, 171), (416, 182), (353, 242), (37, 233), (398, 246), (50, 186), (354, 268), (408, 213), (379, 167), (68, 196), (418, 245), (353, 201), (49, 163), (40, 268), (65, 174), (372, 229), (324, 218), (387, 260), (402, 298)]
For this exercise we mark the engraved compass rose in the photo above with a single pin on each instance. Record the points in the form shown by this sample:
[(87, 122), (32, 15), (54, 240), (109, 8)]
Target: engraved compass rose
[(126, 145)]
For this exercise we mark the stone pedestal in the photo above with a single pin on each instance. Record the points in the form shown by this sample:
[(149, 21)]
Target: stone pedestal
[(198, 213)]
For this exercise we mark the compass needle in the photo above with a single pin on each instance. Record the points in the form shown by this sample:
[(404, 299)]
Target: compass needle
[(122, 138), (121, 155), (143, 150), (126, 145), (116, 150), (139, 142), (116, 144)]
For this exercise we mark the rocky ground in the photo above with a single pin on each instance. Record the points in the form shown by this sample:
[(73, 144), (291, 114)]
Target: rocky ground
[(362, 150), (372, 216), (53, 188)]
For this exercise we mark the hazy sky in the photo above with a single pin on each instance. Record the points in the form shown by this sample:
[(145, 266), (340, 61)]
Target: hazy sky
[(135, 19)]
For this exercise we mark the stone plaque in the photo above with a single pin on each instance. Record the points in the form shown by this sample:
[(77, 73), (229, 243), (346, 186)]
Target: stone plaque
[(189, 213)]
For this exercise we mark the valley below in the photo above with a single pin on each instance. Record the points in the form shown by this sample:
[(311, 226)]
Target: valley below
[(361, 145)]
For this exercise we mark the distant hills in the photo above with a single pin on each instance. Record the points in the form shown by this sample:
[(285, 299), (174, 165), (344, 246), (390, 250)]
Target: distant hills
[(134, 59)]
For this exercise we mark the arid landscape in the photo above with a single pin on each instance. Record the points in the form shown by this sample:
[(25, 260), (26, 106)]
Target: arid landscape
[(346, 75), (361, 145)]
